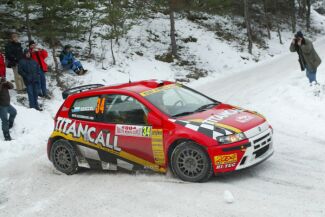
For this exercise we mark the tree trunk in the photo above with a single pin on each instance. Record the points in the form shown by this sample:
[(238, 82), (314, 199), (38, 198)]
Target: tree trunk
[(248, 26), (56, 63), (172, 28), (267, 21), (278, 21), (293, 15), (308, 14), (114, 62), (27, 21), (90, 44)]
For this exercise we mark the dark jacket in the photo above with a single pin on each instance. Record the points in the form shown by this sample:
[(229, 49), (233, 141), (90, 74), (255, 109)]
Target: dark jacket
[(308, 52), (29, 70), (13, 53), (4, 93)]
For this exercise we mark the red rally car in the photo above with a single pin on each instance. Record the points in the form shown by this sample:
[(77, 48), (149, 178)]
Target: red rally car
[(155, 125)]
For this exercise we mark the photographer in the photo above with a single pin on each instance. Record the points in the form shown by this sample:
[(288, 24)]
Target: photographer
[(308, 58)]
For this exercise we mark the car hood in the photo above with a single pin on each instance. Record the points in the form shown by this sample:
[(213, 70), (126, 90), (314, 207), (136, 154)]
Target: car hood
[(224, 117)]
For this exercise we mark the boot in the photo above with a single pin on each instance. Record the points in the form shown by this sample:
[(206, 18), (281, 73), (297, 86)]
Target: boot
[(7, 136)]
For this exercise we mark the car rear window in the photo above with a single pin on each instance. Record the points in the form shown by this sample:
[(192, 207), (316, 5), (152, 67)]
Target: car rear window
[(85, 109)]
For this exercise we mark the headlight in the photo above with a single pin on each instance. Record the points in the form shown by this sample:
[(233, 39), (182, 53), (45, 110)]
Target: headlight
[(231, 138)]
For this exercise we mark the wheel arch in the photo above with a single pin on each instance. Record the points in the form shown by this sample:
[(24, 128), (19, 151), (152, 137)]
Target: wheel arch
[(177, 142)]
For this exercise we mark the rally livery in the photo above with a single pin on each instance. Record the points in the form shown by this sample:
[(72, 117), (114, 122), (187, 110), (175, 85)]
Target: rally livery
[(155, 125)]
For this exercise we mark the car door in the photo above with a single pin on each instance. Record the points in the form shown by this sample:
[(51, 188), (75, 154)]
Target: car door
[(127, 118)]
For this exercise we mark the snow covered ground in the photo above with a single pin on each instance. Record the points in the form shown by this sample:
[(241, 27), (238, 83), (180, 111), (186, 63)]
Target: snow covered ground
[(290, 183)]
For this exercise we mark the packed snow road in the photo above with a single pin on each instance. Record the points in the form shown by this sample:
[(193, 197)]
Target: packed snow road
[(290, 183)]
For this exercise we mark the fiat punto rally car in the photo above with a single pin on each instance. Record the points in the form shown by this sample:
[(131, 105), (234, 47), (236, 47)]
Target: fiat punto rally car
[(155, 125)]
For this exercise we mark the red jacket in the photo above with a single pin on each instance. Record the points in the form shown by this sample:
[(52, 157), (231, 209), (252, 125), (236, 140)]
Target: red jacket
[(2, 66), (40, 56)]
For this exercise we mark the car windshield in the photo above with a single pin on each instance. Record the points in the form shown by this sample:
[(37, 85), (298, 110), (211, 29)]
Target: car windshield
[(176, 100)]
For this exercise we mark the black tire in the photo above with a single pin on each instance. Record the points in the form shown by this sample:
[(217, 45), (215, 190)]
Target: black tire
[(63, 156), (191, 163)]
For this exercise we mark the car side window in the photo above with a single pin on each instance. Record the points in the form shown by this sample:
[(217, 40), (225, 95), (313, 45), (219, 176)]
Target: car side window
[(86, 109), (123, 109)]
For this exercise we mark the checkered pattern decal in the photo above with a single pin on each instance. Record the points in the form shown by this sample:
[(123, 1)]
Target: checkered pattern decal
[(204, 128)]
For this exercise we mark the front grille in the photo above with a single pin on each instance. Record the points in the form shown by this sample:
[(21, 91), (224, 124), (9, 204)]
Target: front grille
[(261, 144), (261, 151)]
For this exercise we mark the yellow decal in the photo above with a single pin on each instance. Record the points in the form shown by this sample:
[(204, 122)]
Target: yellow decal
[(158, 146), (225, 159), (227, 127), (121, 153), (146, 131), (158, 89)]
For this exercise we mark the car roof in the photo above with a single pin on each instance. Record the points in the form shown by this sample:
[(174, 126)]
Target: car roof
[(135, 87)]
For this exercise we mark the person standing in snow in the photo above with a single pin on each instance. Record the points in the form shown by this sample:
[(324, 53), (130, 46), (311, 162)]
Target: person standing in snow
[(2, 66), (39, 55), (6, 108), (308, 58), (13, 53), (30, 71), (68, 61)]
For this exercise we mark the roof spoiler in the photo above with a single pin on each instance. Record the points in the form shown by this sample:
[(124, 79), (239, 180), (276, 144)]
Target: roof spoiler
[(79, 89)]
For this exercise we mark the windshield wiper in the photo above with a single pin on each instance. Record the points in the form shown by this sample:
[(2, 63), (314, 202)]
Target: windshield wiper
[(202, 108), (207, 106), (183, 113)]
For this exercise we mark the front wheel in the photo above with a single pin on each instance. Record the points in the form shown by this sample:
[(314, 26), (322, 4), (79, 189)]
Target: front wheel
[(63, 156), (191, 163)]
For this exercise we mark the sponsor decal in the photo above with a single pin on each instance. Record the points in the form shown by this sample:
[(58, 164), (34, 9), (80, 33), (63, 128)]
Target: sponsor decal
[(83, 109), (89, 134), (133, 130), (222, 115), (244, 118), (82, 117), (159, 89), (158, 146), (225, 161)]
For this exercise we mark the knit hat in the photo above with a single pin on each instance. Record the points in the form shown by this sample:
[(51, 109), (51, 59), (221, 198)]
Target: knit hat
[(299, 34), (31, 43), (66, 47)]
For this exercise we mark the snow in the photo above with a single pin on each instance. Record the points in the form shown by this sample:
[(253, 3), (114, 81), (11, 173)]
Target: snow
[(290, 183), (227, 195)]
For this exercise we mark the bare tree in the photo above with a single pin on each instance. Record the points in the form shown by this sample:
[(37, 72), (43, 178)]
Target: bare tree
[(248, 26), (293, 15), (308, 4), (172, 26), (266, 19)]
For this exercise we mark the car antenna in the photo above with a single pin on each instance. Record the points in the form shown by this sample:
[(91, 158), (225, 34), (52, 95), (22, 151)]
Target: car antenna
[(129, 77)]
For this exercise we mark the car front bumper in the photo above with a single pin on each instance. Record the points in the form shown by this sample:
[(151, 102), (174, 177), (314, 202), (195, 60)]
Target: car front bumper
[(252, 151)]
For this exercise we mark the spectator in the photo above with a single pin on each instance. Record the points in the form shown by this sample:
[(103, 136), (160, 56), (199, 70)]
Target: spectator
[(39, 55), (68, 61), (30, 71), (13, 53), (308, 58), (2, 66), (6, 108)]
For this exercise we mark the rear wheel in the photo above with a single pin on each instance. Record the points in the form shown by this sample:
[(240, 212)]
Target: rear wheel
[(63, 156), (191, 163)]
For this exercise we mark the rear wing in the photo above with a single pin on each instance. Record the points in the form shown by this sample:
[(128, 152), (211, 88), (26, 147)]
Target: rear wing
[(79, 89)]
